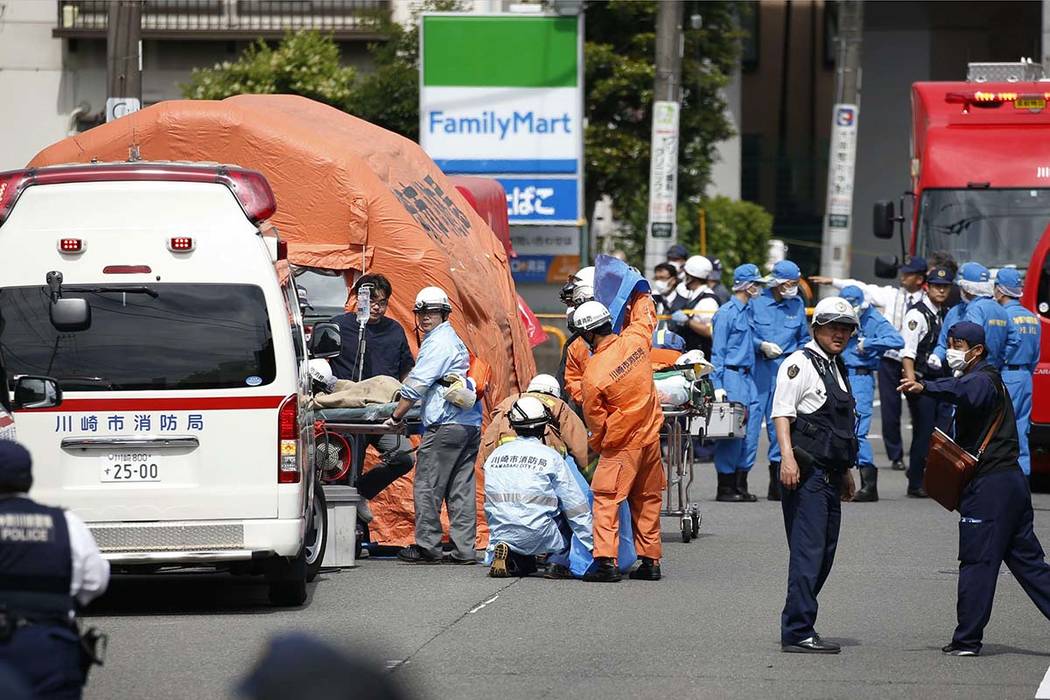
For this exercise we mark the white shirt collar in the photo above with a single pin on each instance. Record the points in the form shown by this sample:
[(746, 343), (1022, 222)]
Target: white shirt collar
[(815, 346)]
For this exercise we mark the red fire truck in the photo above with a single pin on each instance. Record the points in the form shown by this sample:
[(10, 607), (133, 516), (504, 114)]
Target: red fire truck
[(980, 175)]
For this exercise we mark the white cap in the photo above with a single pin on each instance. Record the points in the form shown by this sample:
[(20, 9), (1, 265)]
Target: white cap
[(321, 372), (545, 384), (834, 310), (430, 299), (699, 267), (590, 315)]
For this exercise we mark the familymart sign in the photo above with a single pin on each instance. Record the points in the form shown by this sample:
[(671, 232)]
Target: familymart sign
[(501, 95)]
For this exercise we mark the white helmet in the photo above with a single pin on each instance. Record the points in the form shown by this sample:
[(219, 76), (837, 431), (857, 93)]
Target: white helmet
[(545, 384), (590, 315), (582, 293), (584, 276), (528, 413), (321, 372), (699, 267), (834, 310), (432, 299)]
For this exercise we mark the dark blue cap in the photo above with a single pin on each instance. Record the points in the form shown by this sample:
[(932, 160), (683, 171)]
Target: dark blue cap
[(913, 263), (677, 252), (15, 462), (972, 333), (940, 275)]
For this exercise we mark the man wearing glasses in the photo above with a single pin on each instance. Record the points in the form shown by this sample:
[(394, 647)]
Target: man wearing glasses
[(386, 347), (386, 353)]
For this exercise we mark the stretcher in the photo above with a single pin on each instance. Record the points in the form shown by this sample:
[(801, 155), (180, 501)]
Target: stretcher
[(709, 420), (337, 429)]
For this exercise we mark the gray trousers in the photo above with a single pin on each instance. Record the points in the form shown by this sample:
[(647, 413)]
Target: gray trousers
[(445, 473)]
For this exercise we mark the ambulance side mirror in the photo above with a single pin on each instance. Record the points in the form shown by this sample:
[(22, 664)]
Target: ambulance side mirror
[(883, 218), (325, 341), (886, 266), (70, 315), (36, 392)]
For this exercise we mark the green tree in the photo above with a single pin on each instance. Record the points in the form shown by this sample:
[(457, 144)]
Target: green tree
[(303, 63), (619, 74), (737, 233)]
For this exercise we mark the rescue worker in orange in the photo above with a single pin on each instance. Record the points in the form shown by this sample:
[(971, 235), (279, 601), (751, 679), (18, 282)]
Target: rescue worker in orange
[(565, 434), (622, 411), (578, 289)]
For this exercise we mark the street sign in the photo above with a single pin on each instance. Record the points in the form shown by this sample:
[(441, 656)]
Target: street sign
[(663, 181), (843, 157), (532, 200), (501, 95), (117, 107)]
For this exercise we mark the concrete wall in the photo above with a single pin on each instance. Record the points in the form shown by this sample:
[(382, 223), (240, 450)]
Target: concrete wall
[(38, 94)]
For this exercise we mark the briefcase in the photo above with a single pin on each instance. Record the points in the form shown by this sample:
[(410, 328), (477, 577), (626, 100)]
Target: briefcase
[(949, 467)]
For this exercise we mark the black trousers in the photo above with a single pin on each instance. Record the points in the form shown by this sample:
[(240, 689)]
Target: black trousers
[(48, 658), (890, 408), (395, 453), (995, 525), (926, 414)]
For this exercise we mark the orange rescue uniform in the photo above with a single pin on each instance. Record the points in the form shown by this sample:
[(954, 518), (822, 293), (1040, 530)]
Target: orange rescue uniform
[(623, 413), (575, 361)]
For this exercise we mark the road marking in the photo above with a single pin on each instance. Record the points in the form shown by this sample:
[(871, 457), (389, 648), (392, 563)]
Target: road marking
[(1044, 687), (479, 606)]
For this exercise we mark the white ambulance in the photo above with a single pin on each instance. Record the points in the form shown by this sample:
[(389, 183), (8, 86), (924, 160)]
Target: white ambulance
[(181, 432)]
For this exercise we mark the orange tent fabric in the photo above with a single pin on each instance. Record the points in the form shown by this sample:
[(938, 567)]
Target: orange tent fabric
[(347, 191)]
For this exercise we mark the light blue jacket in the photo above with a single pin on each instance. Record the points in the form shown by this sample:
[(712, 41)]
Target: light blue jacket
[(527, 485), (782, 322), (953, 316), (1022, 342), (879, 336), (441, 353), (986, 312), (732, 343)]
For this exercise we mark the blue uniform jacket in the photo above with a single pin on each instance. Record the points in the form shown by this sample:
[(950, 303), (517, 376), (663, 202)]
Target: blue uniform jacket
[(974, 391), (1022, 338), (986, 312), (782, 322), (732, 343), (441, 353), (953, 316), (879, 336)]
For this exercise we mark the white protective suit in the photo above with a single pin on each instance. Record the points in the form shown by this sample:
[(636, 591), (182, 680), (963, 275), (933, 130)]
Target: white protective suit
[(527, 486)]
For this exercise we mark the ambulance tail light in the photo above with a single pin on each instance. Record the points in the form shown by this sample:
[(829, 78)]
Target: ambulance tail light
[(11, 185), (181, 244), (252, 191), (288, 471), (71, 246)]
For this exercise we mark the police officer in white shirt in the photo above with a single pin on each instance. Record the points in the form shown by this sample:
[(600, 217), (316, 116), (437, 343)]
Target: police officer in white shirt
[(922, 327), (815, 418), (49, 563), (893, 303)]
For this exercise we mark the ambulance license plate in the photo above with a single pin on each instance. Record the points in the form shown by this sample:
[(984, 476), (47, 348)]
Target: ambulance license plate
[(1032, 104), (129, 466)]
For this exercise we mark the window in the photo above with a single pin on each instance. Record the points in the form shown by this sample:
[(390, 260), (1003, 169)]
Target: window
[(164, 336)]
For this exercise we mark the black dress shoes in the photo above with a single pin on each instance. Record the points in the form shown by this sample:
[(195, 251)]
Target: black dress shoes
[(813, 645), (917, 492)]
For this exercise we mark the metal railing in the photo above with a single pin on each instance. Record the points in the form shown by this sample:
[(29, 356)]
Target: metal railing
[(221, 17)]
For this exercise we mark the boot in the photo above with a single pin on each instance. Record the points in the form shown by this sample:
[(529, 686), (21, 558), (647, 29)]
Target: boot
[(647, 570), (604, 571), (727, 489), (741, 487), (774, 482), (869, 486)]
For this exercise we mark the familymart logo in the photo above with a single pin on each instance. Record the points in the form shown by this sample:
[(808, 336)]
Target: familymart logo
[(489, 122)]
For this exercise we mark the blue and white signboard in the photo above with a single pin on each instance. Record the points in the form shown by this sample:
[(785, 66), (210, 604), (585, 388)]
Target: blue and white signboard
[(541, 200)]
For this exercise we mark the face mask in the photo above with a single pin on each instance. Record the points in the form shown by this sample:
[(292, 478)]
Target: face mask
[(956, 358), (677, 265), (754, 290), (789, 292), (661, 286)]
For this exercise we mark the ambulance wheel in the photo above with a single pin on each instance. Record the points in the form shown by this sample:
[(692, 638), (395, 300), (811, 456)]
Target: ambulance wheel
[(287, 579), (316, 535), (687, 530)]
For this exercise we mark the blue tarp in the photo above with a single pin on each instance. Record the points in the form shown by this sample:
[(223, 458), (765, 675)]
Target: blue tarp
[(615, 282)]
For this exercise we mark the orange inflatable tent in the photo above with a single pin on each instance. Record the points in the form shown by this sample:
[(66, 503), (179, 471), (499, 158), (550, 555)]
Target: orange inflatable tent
[(349, 193)]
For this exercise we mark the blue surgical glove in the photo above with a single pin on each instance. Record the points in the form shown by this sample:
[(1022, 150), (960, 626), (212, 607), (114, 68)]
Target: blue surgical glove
[(679, 318)]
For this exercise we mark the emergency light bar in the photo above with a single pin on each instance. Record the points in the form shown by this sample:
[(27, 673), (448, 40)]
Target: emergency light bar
[(251, 189), (982, 98)]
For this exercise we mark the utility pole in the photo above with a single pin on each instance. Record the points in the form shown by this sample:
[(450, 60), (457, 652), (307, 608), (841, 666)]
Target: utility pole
[(842, 158), (663, 164), (123, 58)]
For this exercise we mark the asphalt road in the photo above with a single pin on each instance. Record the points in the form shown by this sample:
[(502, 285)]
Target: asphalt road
[(709, 629)]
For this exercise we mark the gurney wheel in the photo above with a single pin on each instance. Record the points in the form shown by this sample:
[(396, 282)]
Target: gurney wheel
[(687, 530), (695, 524)]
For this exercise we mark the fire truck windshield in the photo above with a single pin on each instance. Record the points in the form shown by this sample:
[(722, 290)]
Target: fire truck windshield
[(995, 227)]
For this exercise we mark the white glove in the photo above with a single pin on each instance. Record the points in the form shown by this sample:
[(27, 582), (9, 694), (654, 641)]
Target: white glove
[(860, 344), (770, 350), (720, 395), (933, 362)]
